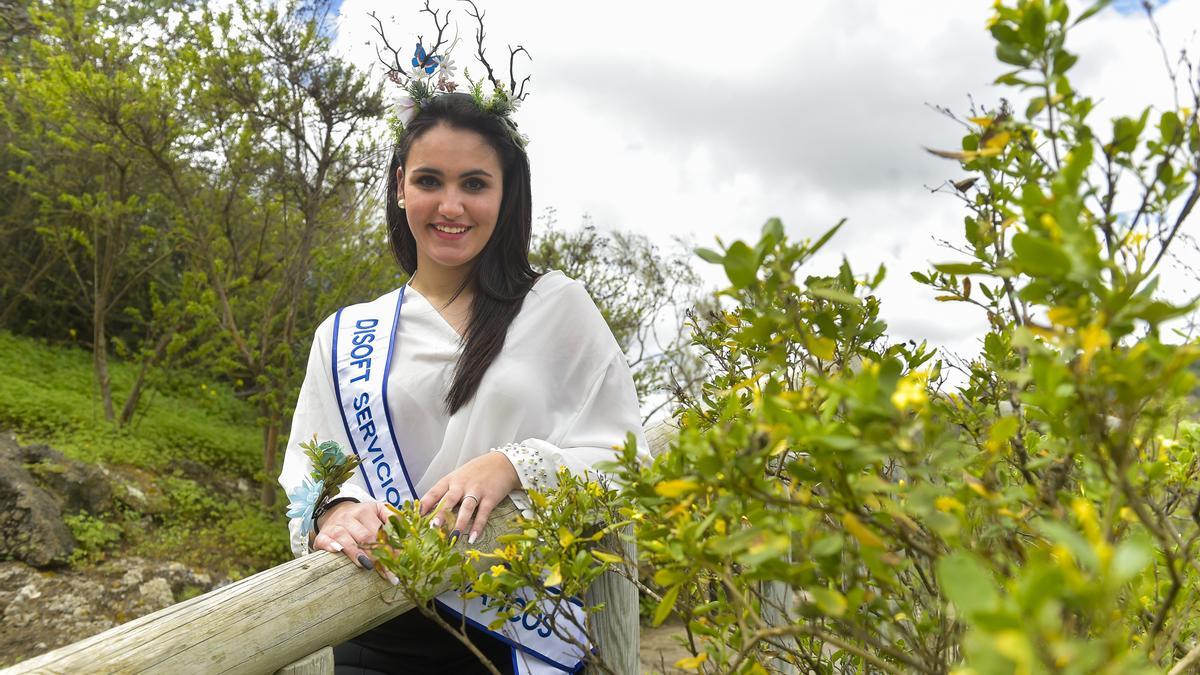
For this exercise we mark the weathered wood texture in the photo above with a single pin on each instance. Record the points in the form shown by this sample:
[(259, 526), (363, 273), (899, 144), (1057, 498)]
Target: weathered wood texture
[(659, 436), (615, 628), (283, 619), (257, 625)]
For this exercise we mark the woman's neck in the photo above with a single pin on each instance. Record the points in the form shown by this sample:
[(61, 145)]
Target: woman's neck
[(439, 285)]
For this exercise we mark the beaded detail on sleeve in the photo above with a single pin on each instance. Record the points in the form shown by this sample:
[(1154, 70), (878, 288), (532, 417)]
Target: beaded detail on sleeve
[(531, 464)]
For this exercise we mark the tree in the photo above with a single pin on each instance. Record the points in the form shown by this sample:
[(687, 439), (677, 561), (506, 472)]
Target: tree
[(291, 123), (79, 106)]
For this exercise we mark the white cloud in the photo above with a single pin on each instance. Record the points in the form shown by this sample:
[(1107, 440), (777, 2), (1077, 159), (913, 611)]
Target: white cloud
[(706, 118)]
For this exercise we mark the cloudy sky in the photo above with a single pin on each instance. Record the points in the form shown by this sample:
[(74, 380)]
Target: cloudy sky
[(703, 119)]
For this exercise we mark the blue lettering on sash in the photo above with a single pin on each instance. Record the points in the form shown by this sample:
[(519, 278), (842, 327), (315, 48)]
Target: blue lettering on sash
[(360, 354), (370, 436)]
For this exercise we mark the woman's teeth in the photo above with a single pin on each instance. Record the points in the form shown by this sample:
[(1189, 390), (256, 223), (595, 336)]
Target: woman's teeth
[(450, 230)]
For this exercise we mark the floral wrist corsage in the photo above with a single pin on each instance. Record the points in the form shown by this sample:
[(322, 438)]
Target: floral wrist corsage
[(331, 468)]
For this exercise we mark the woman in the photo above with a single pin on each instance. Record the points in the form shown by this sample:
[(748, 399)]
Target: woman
[(495, 376)]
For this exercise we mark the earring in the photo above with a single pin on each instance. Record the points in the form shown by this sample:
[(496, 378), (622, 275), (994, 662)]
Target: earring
[(400, 202)]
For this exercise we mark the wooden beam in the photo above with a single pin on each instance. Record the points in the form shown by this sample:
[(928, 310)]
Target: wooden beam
[(257, 625)]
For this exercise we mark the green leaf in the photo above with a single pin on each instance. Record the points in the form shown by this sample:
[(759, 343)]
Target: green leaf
[(826, 546), (1037, 105), (959, 268), (967, 583), (1091, 11), (666, 604), (1012, 54), (829, 601), (826, 237), (741, 264), (834, 294), (1039, 256), (1130, 558), (711, 256), (773, 230), (1169, 128)]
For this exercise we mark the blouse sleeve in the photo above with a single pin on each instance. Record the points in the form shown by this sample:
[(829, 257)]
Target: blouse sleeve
[(317, 413), (598, 428)]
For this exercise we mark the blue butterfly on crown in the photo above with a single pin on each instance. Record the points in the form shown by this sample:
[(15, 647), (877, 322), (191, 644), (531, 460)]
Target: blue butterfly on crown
[(430, 72)]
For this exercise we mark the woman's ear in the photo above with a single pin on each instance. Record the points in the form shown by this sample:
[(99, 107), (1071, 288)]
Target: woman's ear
[(400, 182)]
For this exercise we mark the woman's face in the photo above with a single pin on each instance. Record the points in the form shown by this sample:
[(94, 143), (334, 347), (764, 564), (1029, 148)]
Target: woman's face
[(451, 185)]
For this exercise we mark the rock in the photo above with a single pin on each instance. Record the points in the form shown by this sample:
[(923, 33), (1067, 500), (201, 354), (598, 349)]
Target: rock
[(76, 485), (31, 525), (136, 495), (132, 578), (40, 611), (156, 594)]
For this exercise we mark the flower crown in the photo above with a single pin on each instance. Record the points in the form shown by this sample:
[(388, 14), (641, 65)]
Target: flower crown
[(430, 73)]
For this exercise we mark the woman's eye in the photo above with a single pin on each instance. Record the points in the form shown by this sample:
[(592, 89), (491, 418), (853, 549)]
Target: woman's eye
[(475, 184), (426, 181)]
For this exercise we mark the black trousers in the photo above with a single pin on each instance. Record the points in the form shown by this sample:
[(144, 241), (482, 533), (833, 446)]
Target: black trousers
[(411, 644)]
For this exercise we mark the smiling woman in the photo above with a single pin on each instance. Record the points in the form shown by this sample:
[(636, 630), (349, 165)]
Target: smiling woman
[(452, 199), (485, 378)]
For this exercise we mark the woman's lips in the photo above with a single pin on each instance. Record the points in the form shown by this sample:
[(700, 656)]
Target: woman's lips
[(457, 231)]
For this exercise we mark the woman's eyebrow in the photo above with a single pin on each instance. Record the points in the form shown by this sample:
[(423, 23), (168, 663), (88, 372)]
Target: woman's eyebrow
[(438, 172)]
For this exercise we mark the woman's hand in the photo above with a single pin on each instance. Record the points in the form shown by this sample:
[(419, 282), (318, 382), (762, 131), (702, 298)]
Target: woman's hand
[(476, 488), (349, 525)]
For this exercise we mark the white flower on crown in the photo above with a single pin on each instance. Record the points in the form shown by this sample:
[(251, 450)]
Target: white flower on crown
[(405, 109), (446, 67)]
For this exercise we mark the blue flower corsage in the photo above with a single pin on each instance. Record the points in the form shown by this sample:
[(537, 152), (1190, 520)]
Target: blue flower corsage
[(331, 468)]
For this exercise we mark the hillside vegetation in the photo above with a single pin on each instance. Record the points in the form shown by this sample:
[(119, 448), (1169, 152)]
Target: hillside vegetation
[(180, 470)]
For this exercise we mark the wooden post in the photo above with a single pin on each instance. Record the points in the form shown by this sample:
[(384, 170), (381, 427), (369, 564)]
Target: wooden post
[(616, 628), (317, 663)]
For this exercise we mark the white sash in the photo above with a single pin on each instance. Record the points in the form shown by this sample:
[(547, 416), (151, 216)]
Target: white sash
[(364, 338)]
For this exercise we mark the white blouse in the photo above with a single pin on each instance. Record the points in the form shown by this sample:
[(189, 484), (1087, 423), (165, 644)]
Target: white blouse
[(559, 394)]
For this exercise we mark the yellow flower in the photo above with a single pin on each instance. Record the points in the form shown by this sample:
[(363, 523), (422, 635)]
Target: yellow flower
[(910, 392), (949, 504), (497, 570), (1091, 340)]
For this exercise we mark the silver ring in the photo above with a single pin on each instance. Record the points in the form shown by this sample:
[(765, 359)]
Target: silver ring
[(466, 497)]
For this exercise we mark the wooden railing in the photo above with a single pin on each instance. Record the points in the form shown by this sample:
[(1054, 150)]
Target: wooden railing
[(284, 619)]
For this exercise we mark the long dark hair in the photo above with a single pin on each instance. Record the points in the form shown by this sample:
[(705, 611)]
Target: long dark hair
[(501, 276)]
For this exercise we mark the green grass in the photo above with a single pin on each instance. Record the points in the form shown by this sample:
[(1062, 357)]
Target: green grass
[(188, 445)]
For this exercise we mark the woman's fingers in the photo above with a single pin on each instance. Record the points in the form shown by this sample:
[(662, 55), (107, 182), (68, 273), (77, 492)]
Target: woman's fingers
[(481, 517), (446, 505), (467, 507), (430, 500), (324, 542), (338, 539)]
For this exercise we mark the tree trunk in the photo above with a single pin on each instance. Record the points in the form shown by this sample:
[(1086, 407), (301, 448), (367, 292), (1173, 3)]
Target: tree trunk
[(100, 360), (270, 441), (135, 394)]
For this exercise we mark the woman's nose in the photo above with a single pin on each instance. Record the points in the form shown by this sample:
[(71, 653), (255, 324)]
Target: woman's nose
[(451, 206)]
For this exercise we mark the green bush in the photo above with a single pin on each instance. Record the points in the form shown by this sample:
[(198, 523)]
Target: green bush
[(93, 536), (832, 504)]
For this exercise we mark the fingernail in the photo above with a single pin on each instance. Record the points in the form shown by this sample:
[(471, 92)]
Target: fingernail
[(364, 561), (336, 547), (454, 535), (392, 578), (471, 539), (436, 522)]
